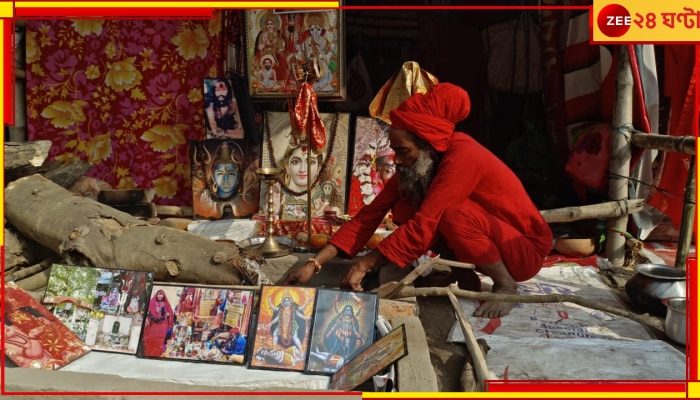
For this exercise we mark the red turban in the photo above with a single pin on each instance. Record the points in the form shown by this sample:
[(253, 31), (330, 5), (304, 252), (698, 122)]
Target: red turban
[(433, 115)]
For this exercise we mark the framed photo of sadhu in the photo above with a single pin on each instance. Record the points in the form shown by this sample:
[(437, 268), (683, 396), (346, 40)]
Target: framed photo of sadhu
[(283, 49)]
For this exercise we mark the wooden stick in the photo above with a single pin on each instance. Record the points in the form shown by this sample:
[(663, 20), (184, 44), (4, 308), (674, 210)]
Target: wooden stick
[(685, 235), (482, 371), (451, 263), (679, 144), (388, 290), (545, 298), (608, 209), (620, 155), (468, 379)]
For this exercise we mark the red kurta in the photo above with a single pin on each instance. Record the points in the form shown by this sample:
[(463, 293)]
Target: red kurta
[(475, 204)]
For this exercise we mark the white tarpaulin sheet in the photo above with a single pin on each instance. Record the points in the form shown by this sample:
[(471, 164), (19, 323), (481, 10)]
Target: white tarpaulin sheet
[(541, 339), (129, 366)]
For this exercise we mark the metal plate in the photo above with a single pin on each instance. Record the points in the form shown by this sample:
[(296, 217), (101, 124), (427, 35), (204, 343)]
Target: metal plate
[(287, 246)]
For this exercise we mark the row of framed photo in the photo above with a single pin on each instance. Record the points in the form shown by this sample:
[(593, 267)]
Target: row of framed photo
[(310, 330), (225, 184)]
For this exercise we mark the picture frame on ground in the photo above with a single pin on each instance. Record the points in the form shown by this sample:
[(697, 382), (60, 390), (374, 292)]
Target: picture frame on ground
[(224, 182), (328, 168), (372, 164), (282, 48), (371, 361), (35, 338), (197, 323), (343, 327), (283, 329), (104, 307), (222, 116)]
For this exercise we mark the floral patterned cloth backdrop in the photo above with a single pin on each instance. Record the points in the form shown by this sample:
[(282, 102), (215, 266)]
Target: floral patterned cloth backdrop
[(124, 95)]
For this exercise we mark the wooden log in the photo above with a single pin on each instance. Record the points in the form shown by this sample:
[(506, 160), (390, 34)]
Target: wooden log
[(685, 236), (87, 232), (34, 269), (67, 174), (468, 378), (480, 367), (388, 289), (36, 281), (620, 155), (678, 144), (20, 154), (122, 196), (610, 209), (175, 211), (21, 252)]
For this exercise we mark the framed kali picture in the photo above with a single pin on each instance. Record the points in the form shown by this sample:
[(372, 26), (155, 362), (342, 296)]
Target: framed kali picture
[(284, 48), (371, 361), (343, 327), (104, 307), (372, 164), (327, 173), (283, 328), (224, 182), (222, 116), (197, 323), (35, 338)]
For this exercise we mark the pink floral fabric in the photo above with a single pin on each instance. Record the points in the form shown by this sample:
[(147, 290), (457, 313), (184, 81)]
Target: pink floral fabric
[(124, 95)]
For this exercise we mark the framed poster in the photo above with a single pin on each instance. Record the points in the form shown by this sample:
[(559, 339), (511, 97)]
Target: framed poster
[(104, 307), (283, 328), (371, 361), (373, 162), (222, 116), (197, 323), (343, 326), (224, 182), (281, 48), (35, 338), (328, 167)]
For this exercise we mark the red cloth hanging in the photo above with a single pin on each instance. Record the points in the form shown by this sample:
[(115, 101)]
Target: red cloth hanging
[(306, 120)]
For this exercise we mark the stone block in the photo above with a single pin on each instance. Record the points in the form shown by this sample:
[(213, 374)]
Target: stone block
[(415, 372)]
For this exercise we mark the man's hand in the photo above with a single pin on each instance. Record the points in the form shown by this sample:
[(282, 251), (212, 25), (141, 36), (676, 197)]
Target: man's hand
[(300, 275), (358, 270)]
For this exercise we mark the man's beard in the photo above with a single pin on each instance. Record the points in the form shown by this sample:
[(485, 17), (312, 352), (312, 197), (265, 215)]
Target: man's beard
[(415, 181)]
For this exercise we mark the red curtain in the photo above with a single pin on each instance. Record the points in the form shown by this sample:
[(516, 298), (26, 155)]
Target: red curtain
[(124, 95)]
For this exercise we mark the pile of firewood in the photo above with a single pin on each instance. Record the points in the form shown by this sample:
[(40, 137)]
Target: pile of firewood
[(46, 222)]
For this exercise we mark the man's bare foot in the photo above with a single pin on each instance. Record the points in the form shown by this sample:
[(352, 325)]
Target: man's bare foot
[(497, 309)]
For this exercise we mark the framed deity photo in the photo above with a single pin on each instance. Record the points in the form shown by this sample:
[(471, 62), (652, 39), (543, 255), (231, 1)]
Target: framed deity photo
[(371, 361), (222, 115), (284, 48), (372, 164), (327, 174), (104, 307), (343, 327), (224, 182), (197, 323), (283, 328)]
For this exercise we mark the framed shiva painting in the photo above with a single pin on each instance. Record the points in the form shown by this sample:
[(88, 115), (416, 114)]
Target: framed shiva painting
[(224, 182), (283, 49)]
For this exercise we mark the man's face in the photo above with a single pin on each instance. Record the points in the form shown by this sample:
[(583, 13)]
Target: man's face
[(405, 149), (267, 63)]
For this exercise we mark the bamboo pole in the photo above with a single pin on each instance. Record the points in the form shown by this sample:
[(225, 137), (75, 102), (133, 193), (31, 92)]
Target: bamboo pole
[(609, 209), (686, 232), (480, 367), (678, 144), (620, 155)]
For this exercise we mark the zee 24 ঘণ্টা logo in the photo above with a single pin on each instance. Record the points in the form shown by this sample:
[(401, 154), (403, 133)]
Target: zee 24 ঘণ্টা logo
[(668, 20)]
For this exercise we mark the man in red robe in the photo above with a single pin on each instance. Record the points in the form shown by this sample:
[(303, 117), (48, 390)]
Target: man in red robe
[(449, 192)]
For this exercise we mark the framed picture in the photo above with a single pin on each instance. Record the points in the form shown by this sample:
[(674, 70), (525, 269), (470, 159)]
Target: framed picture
[(327, 174), (343, 326), (373, 162), (224, 182), (104, 307), (371, 361), (222, 116), (281, 48), (283, 328), (197, 323), (33, 337)]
